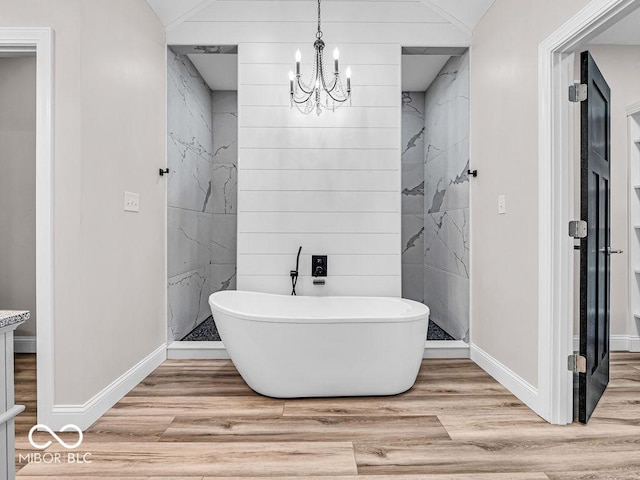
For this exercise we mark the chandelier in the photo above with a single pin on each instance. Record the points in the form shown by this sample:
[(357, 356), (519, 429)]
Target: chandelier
[(319, 92)]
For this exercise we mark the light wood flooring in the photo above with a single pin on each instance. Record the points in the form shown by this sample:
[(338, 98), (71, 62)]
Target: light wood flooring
[(195, 420)]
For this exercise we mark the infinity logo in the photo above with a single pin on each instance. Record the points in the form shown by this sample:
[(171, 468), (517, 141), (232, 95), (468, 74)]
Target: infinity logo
[(67, 428)]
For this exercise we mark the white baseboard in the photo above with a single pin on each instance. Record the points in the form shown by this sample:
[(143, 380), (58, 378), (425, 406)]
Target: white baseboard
[(197, 351), (24, 344), (522, 389), (618, 343), (215, 350), (85, 415), (446, 349)]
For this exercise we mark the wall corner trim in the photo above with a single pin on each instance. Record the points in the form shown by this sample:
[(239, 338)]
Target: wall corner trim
[(513, 382), (85, 415)]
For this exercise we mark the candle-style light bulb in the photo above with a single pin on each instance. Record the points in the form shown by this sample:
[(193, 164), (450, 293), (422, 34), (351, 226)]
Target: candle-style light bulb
[(298, 58), (336, 56)]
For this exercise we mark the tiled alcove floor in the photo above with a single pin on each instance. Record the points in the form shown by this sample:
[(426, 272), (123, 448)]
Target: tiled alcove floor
[(207, 332)]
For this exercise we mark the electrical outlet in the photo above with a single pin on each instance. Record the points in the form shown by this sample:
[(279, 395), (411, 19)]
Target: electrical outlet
[(131, 202), (502, 204)]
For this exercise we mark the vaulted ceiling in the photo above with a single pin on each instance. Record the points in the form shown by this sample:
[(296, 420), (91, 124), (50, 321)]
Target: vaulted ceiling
[(464, 14)]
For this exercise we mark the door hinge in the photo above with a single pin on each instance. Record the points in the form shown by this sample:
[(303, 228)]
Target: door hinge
[(577, 229), (577, 363), (577, 92)]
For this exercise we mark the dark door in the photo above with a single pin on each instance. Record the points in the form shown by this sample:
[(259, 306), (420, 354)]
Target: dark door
[(594, 248)]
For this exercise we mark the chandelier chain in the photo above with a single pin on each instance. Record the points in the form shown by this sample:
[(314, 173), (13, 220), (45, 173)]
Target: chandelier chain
[(319, 33)]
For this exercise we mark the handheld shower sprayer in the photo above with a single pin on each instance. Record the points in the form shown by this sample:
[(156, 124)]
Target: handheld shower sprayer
[(294, 273)]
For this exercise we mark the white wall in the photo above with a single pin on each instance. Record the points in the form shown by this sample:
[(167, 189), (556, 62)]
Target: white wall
[(328, 183), (18, 188), (620, 65), (504, 149), (109, 137)]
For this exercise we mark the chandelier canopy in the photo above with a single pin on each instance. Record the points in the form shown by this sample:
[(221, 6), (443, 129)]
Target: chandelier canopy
[(320, 92)]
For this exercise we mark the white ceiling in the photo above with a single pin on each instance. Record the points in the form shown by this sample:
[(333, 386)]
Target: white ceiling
[(219, 71), (625, 32), (465, 14), (418, 71)]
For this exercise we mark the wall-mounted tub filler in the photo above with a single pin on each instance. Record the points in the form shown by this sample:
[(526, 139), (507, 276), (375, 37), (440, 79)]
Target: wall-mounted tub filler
[(294, 273)]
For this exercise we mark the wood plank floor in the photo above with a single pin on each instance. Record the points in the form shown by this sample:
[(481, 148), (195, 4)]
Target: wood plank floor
[(197, 420)]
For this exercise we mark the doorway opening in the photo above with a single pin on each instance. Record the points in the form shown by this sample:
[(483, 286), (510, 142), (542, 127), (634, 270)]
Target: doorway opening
[(595, 28), (21, 43), (202, 158), (435, 189)]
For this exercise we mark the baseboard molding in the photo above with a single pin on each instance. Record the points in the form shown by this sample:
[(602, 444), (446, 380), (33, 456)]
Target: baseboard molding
[(216, 351), (85, 415), (24, 344), (522, 389), (446, 349), (617, 343), (197, 351)]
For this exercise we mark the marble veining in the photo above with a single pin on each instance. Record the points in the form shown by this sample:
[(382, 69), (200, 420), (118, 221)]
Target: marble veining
[(446, 154), (435, 197), (412, 191), (446, 241), (11, 317), (188, 295), (202, 194), (190, 140), (446, 198), (224, 178)]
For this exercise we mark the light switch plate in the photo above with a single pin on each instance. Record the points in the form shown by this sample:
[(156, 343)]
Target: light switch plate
[(502, 204), (131, 202)]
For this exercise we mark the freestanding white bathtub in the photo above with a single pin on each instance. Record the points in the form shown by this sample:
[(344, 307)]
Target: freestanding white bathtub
[(297, 346)]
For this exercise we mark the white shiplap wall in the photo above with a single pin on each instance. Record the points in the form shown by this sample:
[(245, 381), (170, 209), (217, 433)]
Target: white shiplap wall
[(329, 183)]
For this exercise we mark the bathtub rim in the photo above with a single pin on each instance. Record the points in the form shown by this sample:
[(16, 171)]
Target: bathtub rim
[(417, 311)]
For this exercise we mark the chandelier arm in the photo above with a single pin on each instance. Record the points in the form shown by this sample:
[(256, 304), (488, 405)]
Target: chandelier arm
[(309, 93), (301, 102), (302, 99), (339, 100), (303, 88), (333, 86)]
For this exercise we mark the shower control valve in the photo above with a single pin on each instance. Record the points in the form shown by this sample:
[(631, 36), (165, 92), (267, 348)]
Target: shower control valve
[(319, 265)]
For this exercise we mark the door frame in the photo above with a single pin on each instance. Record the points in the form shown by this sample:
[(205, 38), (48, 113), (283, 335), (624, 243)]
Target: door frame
[(555, 201), (40, 41)]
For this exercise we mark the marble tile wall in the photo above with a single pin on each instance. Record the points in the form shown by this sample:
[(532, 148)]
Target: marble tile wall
[(446, 198), (224, 178), (412, 186), (201, 193)]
